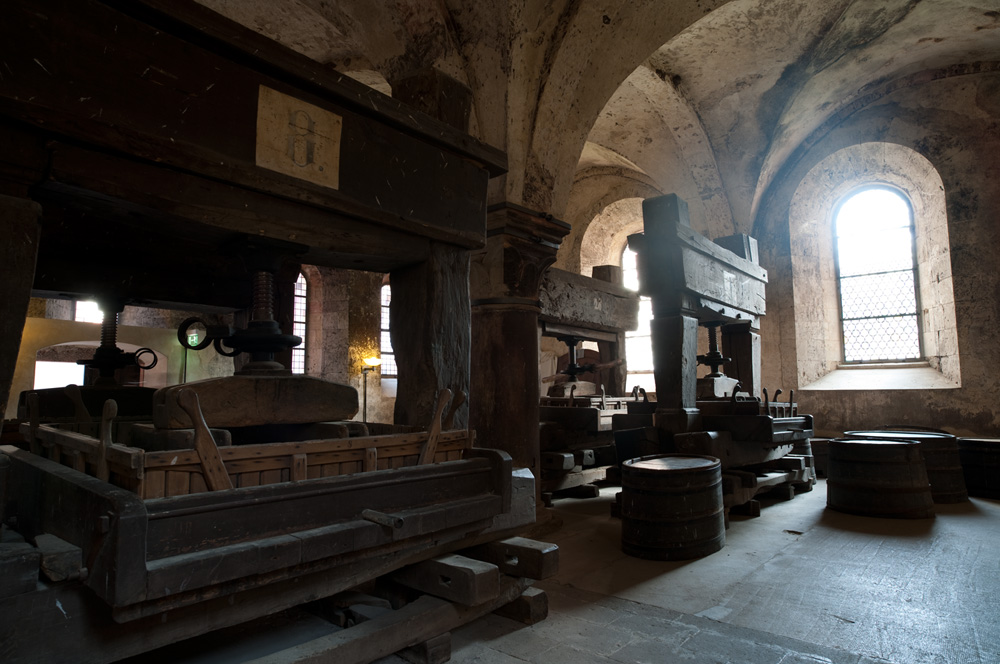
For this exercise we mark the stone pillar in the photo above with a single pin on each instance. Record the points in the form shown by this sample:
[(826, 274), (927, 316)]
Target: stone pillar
[(431, 333), (521, 245), (20, 228)]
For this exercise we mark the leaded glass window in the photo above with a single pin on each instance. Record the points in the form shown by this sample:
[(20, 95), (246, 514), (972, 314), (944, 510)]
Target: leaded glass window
[(638, 342), (877, 277), (388, 368), (299, 325)]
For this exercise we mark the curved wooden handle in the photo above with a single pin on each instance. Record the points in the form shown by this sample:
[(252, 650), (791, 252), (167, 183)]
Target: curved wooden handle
[(430, 447), (216, 477), (449, 419)]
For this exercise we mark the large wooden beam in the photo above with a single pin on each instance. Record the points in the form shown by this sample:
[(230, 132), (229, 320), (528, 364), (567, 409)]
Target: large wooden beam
[(170, 84)]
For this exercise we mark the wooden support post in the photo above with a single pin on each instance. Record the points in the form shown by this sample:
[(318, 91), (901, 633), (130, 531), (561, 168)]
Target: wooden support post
[(430, 326), (742, 345), (20, 230), (505, 277)]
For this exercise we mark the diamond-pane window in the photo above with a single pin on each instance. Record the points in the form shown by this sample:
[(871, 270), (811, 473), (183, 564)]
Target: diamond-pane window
[(388, 368), (877, 276), (299, 325)]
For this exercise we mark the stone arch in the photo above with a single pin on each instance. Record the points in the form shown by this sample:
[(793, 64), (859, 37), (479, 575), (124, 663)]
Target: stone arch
[(815, 290), (598, 217), (607, 234)]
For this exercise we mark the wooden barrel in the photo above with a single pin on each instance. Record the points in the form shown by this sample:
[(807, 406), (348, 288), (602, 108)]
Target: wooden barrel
[(821, 455), (941, 458), (878, 478), (671, 507), (981, 465)]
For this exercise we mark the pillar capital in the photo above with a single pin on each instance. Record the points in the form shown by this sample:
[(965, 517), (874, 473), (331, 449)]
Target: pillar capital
[(520, 245)]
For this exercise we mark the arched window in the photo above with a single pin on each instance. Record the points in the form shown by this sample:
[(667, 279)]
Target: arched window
[(638, 342), (877, 277), (299, 324), (388, 368)]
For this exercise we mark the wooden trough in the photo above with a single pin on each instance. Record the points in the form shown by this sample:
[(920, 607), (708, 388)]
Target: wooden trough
[(240, 531)]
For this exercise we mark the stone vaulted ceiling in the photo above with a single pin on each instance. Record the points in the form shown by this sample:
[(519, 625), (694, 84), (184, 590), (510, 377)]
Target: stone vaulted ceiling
[(597, 102)]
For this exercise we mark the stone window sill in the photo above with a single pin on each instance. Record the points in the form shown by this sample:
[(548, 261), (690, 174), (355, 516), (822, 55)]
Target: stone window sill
[(896, 376)]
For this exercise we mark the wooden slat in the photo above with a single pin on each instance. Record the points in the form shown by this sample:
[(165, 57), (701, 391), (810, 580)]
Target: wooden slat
[(371, 458), (178, 484), (270, 477), (299, 467), (155, 484), (430, 446), (249, 479), (126, 457), (154, 459), (198, 483)]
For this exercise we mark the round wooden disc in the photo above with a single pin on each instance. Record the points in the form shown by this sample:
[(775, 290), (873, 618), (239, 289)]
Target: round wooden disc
[(672, 462)]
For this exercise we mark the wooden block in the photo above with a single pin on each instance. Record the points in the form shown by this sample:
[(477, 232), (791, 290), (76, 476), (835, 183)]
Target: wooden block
[(432, 651), (457, 578), (782, 492), (605, 456), (18, 569), (558, 460), (60, 559), (531, 607), (787, 462), (584, 458), (750, 508), (519, 556), (584, 491), (236, 401)]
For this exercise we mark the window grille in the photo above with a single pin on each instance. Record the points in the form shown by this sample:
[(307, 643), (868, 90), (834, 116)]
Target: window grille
[(299, 325), (638, 342), (388, 368), (877, 276)]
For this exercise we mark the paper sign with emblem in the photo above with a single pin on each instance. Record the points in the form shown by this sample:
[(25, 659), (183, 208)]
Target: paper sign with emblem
[(297, 138)]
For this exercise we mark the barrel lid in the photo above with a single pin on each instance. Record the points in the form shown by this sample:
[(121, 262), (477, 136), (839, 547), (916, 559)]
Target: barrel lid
[(672, 462), (869, 441), (900, 435)]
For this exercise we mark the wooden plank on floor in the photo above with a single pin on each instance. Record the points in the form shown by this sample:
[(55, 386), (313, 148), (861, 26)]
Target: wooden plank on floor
[(411, 625)]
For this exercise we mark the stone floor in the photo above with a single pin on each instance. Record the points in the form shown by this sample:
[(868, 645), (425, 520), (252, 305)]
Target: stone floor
[(800, 584)]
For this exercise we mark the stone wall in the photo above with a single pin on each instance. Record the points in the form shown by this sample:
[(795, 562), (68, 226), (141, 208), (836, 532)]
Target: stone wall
[(953, 120)]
